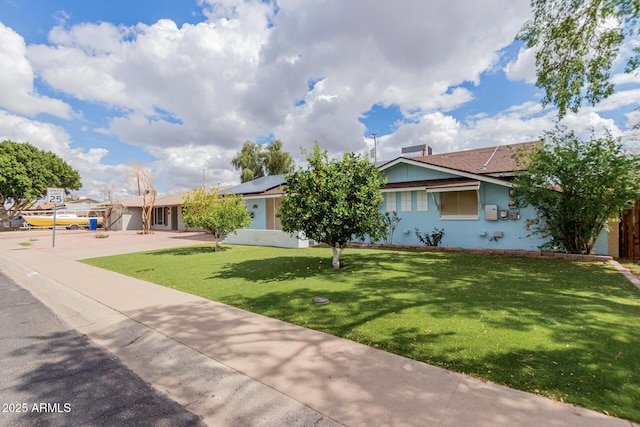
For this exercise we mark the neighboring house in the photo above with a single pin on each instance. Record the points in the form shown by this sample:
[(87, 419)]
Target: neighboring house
[(166, 214), (126, 214), (263, 197)]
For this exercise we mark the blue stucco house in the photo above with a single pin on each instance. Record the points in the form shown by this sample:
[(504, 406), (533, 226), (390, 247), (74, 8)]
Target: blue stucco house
[(466, 193), (262, 197)]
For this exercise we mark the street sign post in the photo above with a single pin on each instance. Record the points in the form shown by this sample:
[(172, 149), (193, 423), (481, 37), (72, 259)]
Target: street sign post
[(55, 196)]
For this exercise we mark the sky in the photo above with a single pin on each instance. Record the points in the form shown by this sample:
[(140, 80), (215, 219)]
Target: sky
[(179, 86)]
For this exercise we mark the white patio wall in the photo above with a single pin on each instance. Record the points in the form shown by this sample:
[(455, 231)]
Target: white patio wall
[(275, 238)]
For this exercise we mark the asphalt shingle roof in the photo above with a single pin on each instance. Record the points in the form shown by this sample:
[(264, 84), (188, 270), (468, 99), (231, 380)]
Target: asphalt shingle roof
[(481, 161)]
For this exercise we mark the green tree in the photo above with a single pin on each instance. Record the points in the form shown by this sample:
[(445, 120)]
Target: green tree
[(250, 161), (576, 187), (219, 214), (276, 161), (576, 42), (25, 174), (253, 161), (334, 201)]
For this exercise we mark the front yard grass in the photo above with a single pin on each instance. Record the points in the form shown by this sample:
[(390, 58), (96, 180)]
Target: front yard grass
[(566, 330)]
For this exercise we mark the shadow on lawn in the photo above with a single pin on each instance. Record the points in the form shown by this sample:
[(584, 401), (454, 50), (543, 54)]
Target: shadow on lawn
[(188, 250), (588, 351), (581, 317)]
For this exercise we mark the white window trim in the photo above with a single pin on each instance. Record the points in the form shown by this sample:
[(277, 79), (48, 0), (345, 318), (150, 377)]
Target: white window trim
[(448, 189), (403, 201), (463, 217), (391, 207), (424, 196), (162, 216), (459, 217)]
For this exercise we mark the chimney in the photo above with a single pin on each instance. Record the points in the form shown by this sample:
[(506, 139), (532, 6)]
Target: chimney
[(416, 150)]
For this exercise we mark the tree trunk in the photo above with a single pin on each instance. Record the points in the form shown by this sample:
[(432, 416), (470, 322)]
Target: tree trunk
[(335, 263), (216, 236)]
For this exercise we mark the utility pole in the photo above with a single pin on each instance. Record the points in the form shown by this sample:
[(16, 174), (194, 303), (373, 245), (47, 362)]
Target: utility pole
[(375, 148)]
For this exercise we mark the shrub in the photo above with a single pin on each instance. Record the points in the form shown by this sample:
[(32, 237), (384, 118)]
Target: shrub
[(431, 239)]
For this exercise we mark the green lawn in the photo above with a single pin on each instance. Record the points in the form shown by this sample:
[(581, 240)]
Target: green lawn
[(566, 330)]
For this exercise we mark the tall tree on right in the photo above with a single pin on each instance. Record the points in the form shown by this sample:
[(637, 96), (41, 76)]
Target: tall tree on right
[(576, 42), (576, 187)]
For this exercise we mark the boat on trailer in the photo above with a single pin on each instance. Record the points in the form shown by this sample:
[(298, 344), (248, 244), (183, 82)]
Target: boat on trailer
[(63, 219)]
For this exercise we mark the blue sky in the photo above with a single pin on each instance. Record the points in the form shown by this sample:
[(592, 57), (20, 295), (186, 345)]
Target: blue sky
[(179, 86)]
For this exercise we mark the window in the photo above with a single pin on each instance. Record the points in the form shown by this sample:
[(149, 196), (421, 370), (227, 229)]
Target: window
[(159, 216), (405, 201), (459, 205), (422, 201), (391, 202)]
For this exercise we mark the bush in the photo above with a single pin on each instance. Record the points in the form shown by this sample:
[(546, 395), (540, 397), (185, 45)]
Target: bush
[(432, 239)]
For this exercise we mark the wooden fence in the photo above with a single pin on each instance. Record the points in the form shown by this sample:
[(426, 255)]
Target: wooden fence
[(630, 232)]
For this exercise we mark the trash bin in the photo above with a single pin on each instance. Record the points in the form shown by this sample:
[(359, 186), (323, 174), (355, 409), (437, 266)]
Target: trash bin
[(93, 223)]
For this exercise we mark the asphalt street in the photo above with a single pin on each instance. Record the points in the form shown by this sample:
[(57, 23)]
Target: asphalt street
[(52, 375)]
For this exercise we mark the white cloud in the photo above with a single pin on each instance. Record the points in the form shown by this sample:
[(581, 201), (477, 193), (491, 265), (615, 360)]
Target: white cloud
[(49, 137), (45, 136), (17, 93), (191, 95), (243, 70), (622, 98), (523, 67)]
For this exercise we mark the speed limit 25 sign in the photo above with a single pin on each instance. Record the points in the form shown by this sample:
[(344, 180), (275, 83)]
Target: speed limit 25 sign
[(55, 196)]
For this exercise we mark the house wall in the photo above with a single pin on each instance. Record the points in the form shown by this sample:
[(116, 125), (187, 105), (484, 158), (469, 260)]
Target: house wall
[(466, 233), (403, 172), (130, 220), (266, 238), (180, 219), (174, 219)]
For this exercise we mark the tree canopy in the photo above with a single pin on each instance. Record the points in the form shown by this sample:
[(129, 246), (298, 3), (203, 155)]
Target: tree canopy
[(255, 161), (576, 42), (334, 201), (219, 214), (576, 187), (25, 174)]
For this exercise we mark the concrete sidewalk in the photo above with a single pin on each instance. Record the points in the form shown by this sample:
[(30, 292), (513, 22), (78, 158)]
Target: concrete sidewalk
[(233, 367)]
